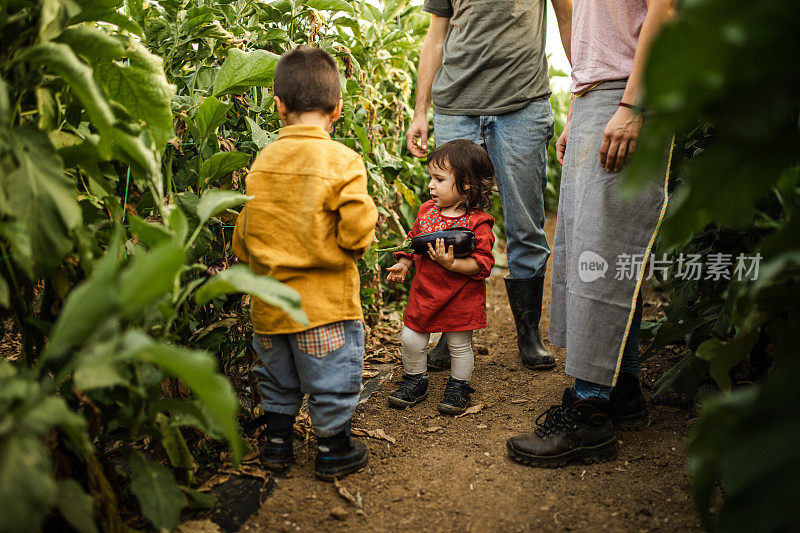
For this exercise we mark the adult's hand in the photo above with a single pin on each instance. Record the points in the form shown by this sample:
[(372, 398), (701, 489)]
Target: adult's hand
[(417, 136), (619, 139), (561, 145)]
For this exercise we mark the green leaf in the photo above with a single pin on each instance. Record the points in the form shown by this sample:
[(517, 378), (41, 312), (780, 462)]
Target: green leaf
[(52, 412), (148, 233), (217, 200), (210, 115), (75, 506), (5, 104), (191, 413), (92, 44), (331, 5), (177, 451), (159, 496), (220, 164), (142, 88), (199, 371), (199, 500), (100, 375), (62, 60), (5, 294), (259, 136), (240, 278), (40, 198), (25, 480), (87, 306), (148, 277), (242, 70), (102, 14)]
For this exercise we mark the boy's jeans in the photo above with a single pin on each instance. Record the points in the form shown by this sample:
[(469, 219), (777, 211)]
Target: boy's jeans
[(324, 362), (517, 145)]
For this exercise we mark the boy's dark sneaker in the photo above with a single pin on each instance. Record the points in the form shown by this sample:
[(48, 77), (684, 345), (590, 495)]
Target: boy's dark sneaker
[(277, 452), (575, 429), (628, 407), (456, 397), (412, 389), (339, 455)]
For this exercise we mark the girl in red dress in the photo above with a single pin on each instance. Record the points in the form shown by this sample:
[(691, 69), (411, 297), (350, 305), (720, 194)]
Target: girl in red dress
[(448, 294)]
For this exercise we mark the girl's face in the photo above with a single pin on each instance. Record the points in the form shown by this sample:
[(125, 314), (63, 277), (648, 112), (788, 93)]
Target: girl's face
[(443, 187)]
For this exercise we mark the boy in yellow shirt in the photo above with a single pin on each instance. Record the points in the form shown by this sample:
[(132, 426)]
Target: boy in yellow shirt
[(309, 220)]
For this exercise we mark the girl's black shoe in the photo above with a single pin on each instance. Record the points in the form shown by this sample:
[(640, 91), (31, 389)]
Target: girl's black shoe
[(277, 452), (339, 455), (456, 397), (412, 389)]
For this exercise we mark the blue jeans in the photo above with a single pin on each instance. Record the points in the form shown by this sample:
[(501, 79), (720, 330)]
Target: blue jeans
[(630, 360), (517, 145), (325, 362)]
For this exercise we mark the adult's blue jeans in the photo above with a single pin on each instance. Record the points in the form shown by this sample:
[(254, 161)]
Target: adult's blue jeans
[(517, 145), (324, 362)]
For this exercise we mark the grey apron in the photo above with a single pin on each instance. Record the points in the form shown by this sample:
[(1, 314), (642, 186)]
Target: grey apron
[(599, 235)]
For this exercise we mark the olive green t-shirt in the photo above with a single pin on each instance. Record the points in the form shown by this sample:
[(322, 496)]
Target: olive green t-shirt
[(494, 59)]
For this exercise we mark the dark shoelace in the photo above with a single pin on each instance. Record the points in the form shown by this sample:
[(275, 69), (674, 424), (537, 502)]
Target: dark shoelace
[(457, 393), (408, 384), (556, 418)]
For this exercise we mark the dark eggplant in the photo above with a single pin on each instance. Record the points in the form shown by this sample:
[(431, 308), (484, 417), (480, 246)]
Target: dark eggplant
[(461, 239)]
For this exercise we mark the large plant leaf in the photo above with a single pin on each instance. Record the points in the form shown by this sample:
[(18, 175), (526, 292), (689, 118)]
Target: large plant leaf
[(92, 44), (330, 5), (239, 278), (220, 164), (210, 115), (75, 506), (216, 200), (60, 58), (199, 371), (242, 70), (142, 88), (159, 495), (148, 277), (40, 198), (25, 480)]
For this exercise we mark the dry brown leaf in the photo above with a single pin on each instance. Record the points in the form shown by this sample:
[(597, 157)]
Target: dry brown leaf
[(379, 434), (344, 493), (213, 482), (520, 400), (472, 410), (432, 429)]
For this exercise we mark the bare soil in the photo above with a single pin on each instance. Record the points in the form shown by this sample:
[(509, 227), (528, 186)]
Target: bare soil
[(459, 477)]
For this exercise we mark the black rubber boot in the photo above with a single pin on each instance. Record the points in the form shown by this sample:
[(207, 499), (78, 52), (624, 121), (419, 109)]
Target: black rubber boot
[(277, 453), (628, 406), (575, 429), (439, 357), (456, 397), (412, 389), (339, 455), (525, 298)]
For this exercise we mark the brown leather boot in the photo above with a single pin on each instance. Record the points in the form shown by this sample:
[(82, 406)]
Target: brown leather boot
[(575, 429)]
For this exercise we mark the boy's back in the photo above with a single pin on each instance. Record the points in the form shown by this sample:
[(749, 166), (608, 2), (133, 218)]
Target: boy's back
[(309, 219)]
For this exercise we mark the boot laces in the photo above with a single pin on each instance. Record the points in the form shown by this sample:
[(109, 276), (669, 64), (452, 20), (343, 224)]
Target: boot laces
[(556, 418), (408, 384)]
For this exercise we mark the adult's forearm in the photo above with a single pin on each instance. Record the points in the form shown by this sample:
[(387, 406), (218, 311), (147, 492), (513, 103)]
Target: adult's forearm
[(430, 60), (658, 13), (563, 11)]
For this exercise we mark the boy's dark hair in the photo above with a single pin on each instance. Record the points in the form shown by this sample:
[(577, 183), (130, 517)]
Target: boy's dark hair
[(470, 164), (307, 79)]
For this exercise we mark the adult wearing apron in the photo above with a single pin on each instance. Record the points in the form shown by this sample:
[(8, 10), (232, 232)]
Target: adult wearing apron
[(595, 312)]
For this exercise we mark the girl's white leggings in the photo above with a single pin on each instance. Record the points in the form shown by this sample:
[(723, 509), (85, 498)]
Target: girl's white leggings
[(415, 360)]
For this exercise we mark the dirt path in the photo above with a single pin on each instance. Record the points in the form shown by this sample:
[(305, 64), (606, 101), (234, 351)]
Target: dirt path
[(459, 478)]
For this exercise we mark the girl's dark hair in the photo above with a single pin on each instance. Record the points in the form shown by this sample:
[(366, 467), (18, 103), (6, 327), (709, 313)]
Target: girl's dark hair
[(472, 168)]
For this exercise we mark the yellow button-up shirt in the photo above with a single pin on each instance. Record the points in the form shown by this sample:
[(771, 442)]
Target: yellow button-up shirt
[(309, 220)]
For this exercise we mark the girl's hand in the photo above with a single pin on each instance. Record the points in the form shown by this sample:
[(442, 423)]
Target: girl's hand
[(397, 272), (446, 258)]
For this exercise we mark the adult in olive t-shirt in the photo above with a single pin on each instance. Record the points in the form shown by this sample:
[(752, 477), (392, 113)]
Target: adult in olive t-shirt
[(484, 68)]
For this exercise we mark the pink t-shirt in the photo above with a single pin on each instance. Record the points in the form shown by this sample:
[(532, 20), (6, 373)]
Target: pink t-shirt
[(604, 37)]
